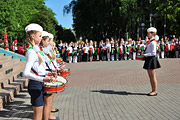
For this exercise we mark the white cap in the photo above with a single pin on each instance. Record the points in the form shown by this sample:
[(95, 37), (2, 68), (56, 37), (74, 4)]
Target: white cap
[(152, 29), (51, 35), (33, 26), (44, 33), (156, 37)]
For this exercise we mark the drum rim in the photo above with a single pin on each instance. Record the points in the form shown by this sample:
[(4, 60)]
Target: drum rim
[(53, 86)]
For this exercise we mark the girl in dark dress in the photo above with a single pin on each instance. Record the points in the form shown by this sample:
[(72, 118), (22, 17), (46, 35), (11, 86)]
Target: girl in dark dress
[(151, 61)]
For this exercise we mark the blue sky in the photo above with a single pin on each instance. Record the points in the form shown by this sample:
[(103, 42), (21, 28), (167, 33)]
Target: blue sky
[(57, 7)]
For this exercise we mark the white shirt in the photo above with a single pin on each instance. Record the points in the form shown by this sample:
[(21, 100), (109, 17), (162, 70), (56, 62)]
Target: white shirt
[(128, 45), (15, 47), (121, 49), (151, 49), (104, 47), (75, 48), (87, 48), (32, 61), (142, 45), (60, 45), (108, 45), (92, 48), (70, 49), (47, 59), (54, 61)]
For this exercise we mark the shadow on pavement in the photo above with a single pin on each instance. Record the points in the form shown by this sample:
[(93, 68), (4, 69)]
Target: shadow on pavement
[(117, 92), (17, 109)]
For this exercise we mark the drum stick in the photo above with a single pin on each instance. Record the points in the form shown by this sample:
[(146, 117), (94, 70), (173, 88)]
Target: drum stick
[(57, 81), (50, 70)]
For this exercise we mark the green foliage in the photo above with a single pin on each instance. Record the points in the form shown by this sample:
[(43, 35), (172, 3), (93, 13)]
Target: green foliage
[(64, 34), (170, 9), (98, 19), (47, 20), (16, 14)]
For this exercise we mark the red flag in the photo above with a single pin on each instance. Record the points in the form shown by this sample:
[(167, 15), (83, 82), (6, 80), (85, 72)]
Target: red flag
[(5, 36)]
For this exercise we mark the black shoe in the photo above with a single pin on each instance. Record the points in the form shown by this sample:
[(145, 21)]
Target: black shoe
[(56, 110), (152, 95)]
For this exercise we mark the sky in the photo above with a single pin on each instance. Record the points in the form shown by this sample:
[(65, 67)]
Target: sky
[(57, 7)]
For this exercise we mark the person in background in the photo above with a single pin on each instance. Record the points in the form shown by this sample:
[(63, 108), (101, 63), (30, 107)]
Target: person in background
[(108, 49), (69, 53)]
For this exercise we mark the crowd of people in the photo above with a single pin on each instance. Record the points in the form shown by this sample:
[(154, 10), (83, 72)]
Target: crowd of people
[(16, 47), (116, 50), (108, 49)]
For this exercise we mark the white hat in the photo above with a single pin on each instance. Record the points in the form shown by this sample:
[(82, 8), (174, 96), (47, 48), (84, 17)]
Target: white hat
[(44, 33), (152, 29), (33, 26), (51, 35)]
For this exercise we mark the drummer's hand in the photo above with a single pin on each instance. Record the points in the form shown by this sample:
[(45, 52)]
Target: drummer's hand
[(60, 71), (62, 63), (62, 66), (47, 79), (52, 78), (52, 74), (142, 54)]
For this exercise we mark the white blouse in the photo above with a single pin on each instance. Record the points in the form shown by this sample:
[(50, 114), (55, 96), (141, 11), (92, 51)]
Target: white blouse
[(70, 49), (151, 49), (91, 48), (108, 45), (32, 61), (87, 48), (46, 51), (121, 48)]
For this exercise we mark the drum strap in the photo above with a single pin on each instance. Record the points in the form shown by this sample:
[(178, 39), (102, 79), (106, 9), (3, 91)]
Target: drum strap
[(149, 42), (34, 72), (52, 61), (48, 66), (53, 64)]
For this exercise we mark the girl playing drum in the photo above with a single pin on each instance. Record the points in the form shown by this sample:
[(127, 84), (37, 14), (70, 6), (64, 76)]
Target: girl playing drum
[(34, 69)]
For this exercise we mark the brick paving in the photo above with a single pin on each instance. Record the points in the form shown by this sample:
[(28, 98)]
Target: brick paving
[(110, 91)]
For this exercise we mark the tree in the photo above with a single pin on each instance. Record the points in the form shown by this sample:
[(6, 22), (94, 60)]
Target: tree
[(122, 18), (170, 14), (47, 20), (16, 14), (66, 35)]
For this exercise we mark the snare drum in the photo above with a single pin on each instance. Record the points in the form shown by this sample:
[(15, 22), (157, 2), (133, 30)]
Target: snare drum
[(139, 57), (55, 87), (66, 72), (58, 60)]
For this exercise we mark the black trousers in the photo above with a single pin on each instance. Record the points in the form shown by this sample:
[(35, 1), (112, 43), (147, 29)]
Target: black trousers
[(85, 57), (79, 58)]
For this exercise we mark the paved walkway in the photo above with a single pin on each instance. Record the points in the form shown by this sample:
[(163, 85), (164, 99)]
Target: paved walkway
[(110, 91)]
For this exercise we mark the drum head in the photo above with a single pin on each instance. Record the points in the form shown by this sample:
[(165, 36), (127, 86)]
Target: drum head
[(61, 79)]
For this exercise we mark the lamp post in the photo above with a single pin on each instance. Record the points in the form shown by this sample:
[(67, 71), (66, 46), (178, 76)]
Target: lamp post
[(142, 26), (164, 25), (150, 16)]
